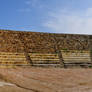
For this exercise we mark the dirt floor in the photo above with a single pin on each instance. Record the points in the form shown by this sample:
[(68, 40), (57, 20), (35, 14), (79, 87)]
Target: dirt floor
[(33, 79)]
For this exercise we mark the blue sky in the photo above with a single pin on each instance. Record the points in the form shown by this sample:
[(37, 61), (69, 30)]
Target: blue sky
[(57, 16)]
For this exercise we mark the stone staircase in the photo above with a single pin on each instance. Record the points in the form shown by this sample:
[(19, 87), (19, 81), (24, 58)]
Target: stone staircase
[(12, 59), (71, 58), (41, 58), (8, 59), (77, 58)]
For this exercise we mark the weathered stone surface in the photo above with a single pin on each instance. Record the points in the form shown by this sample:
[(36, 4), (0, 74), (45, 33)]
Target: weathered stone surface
[(29, 43), (10, 41)]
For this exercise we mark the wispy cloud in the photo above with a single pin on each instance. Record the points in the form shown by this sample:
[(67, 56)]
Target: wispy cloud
[(32, 3), (66, 21), (25, 10)]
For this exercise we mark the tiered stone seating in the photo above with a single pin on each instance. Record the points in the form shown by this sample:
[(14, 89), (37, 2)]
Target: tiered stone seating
[(41, 58), (39, 46), (20, 59), (12, 58), (74, 57)]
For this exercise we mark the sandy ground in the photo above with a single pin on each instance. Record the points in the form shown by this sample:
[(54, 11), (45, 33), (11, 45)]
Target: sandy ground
[(34, 79)]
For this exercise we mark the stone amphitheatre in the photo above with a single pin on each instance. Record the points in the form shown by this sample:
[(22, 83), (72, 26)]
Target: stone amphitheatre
[(45, 62), (44, 49)]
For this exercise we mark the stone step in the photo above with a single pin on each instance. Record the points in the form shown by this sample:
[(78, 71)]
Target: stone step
[(41, 54), (76, 51), (6, 53), (12, 58), (76, 57), (34, 59), (44, 56), (79, 65), (46, 59), (46, 62), (12, 61), (72, 61)]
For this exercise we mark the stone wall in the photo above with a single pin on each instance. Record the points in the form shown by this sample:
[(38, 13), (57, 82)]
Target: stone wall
[(10, 41)]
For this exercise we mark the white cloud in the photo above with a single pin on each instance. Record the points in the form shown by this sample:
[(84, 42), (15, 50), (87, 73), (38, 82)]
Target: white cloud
[(70, 22), (89, 12), (32, 3), (25, 10)]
